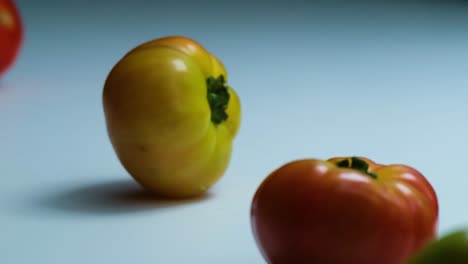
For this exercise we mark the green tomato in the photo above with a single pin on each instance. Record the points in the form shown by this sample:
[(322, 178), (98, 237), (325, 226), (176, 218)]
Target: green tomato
[(452, 248)]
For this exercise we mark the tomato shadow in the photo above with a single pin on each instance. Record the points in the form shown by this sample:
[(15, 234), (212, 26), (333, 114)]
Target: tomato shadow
[(110, 198), (3, 85), (6, 87)]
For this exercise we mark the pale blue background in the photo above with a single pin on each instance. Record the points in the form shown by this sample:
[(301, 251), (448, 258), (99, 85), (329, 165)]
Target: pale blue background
[(387, 81)]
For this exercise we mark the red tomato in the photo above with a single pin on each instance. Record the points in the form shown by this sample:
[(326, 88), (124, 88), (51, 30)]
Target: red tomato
[(343, 210), (11, 34)]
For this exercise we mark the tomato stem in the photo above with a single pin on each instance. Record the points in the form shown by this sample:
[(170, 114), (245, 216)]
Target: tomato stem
[(218, 98), (356, 164)]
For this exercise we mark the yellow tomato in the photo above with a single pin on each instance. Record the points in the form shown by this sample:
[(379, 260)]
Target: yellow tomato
[(171, 117)]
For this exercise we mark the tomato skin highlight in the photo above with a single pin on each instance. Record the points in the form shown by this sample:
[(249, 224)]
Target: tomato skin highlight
[(312, 211), (11, 34), (171, 117)]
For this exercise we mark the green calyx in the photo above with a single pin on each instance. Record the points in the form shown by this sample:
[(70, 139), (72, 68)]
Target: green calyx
[(356, 164), (218, 98)]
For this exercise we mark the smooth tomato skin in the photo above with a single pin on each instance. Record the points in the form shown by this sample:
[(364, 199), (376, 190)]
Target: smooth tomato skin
[(158, 117), (451, 248), (311, 211), (11, 34)]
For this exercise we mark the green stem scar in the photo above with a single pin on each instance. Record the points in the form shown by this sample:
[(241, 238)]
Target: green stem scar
[(218, 98), (356, 164)]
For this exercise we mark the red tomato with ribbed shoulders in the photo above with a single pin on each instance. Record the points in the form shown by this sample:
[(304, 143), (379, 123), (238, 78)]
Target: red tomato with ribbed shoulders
[(346, 210), (11, 34)]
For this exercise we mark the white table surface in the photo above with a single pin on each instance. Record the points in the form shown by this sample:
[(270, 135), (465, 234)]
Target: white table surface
[(315, 80)]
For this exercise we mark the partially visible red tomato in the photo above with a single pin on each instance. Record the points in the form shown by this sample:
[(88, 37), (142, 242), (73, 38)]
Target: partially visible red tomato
[(343, 211), (11, 34)]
